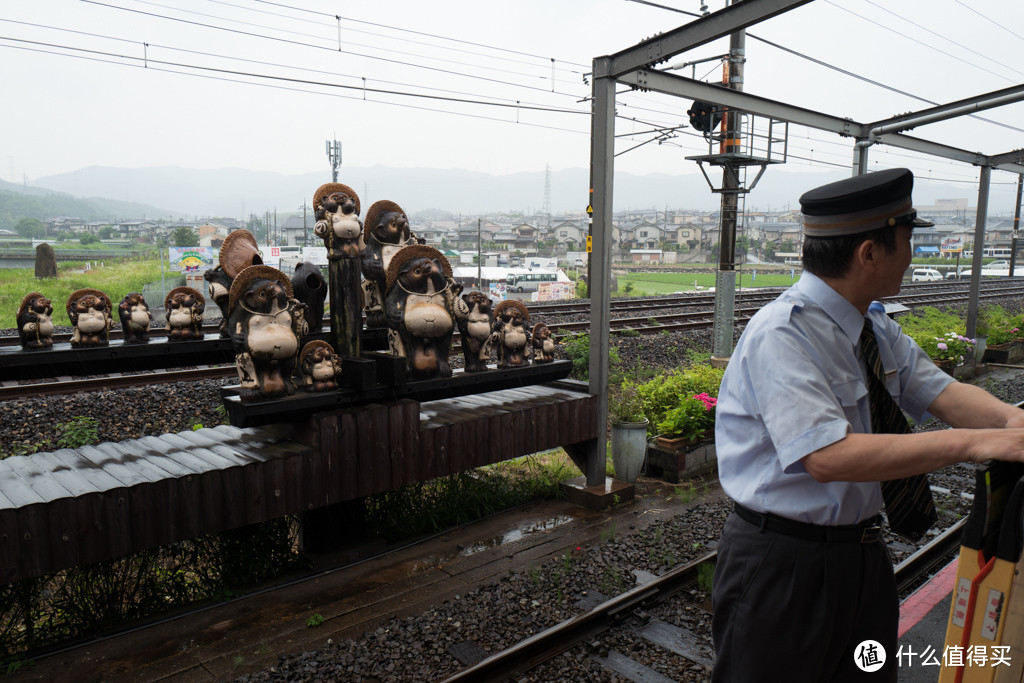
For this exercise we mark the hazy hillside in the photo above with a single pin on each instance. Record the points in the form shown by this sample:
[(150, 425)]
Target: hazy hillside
[(238, 192), (19, 201)]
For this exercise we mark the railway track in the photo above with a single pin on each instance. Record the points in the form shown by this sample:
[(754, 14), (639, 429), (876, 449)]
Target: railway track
[(631, 613), (699, 314)]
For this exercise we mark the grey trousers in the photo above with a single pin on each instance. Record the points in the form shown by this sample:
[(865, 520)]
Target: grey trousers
[(788, 609)]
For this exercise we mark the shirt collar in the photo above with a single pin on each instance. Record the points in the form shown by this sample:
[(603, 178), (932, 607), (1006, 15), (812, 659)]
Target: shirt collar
[(834, 304)]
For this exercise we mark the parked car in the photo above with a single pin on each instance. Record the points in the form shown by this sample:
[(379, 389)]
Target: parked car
[(926, 275)]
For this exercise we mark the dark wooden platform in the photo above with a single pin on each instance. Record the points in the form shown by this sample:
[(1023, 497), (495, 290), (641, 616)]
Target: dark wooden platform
[(101, 502)]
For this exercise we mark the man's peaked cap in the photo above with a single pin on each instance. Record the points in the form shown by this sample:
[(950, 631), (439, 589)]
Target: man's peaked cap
[(861, 203)]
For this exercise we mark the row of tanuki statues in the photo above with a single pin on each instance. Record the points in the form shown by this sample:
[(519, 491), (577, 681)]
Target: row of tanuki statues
[(407, 287)]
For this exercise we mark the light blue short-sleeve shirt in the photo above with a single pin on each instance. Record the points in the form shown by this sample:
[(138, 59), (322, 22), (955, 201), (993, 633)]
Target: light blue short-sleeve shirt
[(796, 383)]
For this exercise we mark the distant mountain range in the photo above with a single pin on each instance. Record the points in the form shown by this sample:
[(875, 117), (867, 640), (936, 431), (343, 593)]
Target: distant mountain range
[(173, 192), (29, 201)]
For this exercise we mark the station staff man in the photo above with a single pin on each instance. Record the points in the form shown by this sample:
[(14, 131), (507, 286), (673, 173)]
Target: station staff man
[(803, 578)]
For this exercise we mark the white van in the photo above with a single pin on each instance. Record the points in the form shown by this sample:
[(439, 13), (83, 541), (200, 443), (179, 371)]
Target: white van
[(926, 275)]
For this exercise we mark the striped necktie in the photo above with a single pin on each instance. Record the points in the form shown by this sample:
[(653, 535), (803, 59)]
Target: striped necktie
[(908, 501)]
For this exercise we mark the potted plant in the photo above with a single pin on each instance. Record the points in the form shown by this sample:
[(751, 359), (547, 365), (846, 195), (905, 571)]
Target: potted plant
[(629, 430), (1001, 331), (688, 422), (948, 350)]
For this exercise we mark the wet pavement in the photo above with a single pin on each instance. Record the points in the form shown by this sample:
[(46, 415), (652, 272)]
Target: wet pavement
[(248, 634)]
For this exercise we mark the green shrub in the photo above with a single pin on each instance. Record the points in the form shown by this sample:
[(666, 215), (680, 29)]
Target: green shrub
[(663, 393), (625, 403), (78, 431), (577, 348), (998, 326)]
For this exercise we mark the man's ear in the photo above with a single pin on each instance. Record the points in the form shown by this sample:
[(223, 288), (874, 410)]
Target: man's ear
[(866, 253)]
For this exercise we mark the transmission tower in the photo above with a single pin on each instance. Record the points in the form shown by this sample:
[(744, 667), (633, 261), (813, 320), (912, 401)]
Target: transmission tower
[(334, 154)]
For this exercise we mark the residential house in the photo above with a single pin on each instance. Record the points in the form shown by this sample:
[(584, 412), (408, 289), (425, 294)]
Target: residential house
[(211, 234), (688, 235), (568, 235), (646, 235), (297, 231), (527, 236)]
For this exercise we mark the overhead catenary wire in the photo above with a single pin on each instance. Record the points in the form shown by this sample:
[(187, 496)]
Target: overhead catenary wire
[(400, 29), (321, 47), (391, 50), (255, 61)]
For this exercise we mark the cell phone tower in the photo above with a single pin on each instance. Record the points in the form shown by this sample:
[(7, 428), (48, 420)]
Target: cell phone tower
[(334, 154)]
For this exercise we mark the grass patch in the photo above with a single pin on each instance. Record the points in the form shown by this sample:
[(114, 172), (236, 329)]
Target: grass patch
[(114, 279), (667, 283), (460, 498)]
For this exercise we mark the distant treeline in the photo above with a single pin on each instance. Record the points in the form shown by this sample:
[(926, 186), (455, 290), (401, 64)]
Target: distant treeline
[(15, 206)]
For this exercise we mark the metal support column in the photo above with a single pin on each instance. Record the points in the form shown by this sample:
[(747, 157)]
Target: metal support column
[(1016, 224), (602, 159), (979, 243), (860, 157)]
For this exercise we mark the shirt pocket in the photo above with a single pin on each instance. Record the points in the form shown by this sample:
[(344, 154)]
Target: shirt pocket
[(851, 395)]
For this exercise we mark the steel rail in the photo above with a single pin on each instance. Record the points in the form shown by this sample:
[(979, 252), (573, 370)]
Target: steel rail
[(11, 390), (553, 641), (926, 557)]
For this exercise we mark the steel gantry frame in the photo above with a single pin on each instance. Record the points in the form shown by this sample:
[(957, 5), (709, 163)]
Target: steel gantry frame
[(635, 67)]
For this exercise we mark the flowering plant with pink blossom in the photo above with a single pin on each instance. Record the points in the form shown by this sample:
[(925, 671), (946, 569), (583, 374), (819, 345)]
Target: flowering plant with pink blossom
[(951, 346), (691, 418)]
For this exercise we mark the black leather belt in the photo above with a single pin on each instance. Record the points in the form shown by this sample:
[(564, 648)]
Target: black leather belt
[(868, 531)]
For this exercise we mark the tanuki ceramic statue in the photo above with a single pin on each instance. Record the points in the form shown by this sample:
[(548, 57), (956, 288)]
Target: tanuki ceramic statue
[(337, 220), (422, 307), (89, 311), (475, 331), (239, 251), (512, 335), (319, 366), (135, 316), (266, 326), (183, 308), (543, 344), (35, 322), (385, 231)]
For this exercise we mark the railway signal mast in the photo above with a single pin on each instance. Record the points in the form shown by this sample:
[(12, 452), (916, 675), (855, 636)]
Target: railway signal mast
[(741, 141)]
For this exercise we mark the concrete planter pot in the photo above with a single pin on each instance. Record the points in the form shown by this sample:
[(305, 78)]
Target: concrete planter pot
[(629, 448), (1009, 353)]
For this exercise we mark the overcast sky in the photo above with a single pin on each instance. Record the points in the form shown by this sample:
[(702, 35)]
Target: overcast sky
[(129, 83)]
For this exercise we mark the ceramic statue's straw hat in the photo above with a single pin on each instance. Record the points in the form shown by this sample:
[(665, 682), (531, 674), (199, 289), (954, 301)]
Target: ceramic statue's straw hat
[(331, 188), (183, 290), (861, 203), (536, 328), (376, 209), (241, 283), (410, 252), (239, 251), (512, 303)]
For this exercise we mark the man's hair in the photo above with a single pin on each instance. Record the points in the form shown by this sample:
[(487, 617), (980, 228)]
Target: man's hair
[(832, 256)]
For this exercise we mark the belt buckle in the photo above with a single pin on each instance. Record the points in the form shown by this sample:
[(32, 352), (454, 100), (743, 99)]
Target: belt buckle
[(871, 534)]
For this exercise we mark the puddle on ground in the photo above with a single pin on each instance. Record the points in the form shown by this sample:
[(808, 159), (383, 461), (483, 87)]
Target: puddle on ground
[(516, 534)]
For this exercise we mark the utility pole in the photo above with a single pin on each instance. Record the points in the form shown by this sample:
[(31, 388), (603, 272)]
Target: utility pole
[(1016, 224), (479, 257), (305, 227), (334, 155), (725, 279)]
